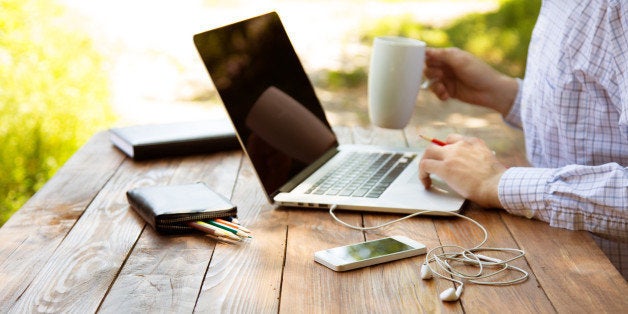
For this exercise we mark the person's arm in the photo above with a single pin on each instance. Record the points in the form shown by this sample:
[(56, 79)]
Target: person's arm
[(467, 164), (513, 118), (455, 73), (592, 198)]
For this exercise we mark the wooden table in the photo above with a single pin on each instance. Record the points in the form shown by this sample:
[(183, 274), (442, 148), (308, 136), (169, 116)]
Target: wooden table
[(76, 246)]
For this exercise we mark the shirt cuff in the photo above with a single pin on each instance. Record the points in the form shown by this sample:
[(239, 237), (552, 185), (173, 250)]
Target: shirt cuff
[(514, 115), (521, 190)]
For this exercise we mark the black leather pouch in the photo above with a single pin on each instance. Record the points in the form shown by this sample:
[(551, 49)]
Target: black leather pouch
[(170, 208)]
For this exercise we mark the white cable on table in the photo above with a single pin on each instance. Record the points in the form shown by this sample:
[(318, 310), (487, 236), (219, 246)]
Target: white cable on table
[(469, 257)]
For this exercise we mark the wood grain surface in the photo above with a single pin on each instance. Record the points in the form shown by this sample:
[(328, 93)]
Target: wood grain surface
[(77, 246)]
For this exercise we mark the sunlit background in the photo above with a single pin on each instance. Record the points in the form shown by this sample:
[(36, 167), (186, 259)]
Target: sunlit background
[(157, 75), (71, 68)]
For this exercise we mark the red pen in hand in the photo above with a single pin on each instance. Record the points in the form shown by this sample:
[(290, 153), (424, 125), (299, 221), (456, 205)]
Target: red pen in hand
[(433, 140)]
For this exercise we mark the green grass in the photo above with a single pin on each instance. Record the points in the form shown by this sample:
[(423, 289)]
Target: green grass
[(53, 96)]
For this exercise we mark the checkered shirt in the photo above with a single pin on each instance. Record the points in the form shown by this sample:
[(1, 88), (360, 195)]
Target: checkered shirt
[(573, 108)]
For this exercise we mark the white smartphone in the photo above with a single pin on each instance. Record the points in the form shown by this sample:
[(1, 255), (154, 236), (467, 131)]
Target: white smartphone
[(369, 253)]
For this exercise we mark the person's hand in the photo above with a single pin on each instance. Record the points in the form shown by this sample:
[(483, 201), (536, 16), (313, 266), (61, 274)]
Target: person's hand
[(467, 165), (455, 73)]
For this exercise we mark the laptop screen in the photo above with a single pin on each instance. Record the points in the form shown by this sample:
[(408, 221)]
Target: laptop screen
[(266, 92)]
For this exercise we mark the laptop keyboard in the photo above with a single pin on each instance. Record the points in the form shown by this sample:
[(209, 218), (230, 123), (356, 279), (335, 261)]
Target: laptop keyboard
[(362, 174)]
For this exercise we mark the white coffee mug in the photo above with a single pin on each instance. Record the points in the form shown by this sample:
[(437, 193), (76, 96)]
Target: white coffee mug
[(394, 80)]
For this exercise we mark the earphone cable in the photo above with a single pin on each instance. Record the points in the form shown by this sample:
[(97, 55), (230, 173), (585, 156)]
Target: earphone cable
[(468, 256)]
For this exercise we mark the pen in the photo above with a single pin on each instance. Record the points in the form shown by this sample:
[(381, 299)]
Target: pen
[(234, 231), (433, 140), (232, 225), (211, 230)]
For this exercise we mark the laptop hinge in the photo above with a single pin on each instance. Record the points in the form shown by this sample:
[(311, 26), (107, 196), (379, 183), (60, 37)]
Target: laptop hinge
[(305, 173)]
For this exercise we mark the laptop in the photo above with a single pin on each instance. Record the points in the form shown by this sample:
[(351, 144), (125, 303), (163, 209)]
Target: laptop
[(283, 130)]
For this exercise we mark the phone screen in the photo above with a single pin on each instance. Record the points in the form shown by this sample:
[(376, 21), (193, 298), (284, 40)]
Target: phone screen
[(367, 250)]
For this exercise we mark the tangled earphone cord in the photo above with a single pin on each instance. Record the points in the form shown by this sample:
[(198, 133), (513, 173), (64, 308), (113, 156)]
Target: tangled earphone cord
[(467, 256), (333, 207)]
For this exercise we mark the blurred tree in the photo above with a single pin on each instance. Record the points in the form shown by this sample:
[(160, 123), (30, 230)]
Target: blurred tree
[(54, 95), (501, 38)]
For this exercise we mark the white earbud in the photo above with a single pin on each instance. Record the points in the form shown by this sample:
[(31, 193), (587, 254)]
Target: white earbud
[(451, 294), (426, 272)]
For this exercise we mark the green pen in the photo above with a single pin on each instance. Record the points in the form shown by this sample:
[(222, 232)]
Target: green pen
[(239, 233)]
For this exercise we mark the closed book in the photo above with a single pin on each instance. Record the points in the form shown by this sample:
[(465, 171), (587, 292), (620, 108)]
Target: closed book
[(169, 208), (174, 139)]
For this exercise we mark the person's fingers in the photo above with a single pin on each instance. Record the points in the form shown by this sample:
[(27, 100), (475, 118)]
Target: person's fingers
[(433, 73), (437, 56), (429, 51), (439, 89), (454, 137), (431, 57), (425, 179), (427, 167), (434, 152), (443, 56), (432, 155), (432, 159)]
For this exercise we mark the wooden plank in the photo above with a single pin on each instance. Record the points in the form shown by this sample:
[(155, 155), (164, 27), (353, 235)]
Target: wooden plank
[(367, 289), (83, 256), (247, 278), (522, 297), (562, 286), (79, 273), (309, 285), (574, 273), (525, 296), (165, 273), (417, 294), (31, 236)]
